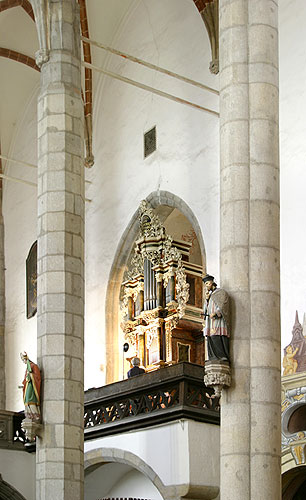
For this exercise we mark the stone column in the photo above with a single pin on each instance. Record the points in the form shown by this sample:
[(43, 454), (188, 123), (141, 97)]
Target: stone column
[(250, 416), (2, 304), (60, 309)]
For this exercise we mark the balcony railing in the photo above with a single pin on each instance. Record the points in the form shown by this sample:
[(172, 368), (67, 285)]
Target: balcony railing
[(11, 434), (168, 394)]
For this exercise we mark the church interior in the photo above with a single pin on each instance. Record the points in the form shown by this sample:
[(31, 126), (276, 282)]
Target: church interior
[(145, 146)]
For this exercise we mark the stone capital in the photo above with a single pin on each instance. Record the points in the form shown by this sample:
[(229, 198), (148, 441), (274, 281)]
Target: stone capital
[(42, 56)]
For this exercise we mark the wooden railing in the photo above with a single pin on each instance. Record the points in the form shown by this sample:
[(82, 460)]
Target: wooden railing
[(167, 394), (11, 434)]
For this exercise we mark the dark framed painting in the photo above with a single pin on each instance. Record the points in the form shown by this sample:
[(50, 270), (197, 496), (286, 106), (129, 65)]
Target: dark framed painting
[(31, 279), (183, 353)]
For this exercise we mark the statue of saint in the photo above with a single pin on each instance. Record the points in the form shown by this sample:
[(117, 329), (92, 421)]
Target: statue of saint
[(216, 320), (289, 363), (31, 389)]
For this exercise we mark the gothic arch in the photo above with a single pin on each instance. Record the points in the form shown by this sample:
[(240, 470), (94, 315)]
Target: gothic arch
[(119, 265)]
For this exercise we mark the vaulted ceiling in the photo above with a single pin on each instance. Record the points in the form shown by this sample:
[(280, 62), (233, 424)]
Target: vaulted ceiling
[(19, 43)]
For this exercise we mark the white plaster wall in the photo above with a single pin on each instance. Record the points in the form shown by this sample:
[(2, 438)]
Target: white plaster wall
[(115, 480), (170, 34), (18, 470), (176, 452), (186, 163), (20, 222), (292, 18)]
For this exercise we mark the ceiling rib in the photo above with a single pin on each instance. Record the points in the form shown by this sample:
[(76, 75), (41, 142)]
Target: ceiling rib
[(151, 89), (150, 65), (25, 4), (19, 57)]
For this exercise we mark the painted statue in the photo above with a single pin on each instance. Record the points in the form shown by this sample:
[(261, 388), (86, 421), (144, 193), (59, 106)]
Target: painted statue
[(289, 363), (216, 320), (31, 389)]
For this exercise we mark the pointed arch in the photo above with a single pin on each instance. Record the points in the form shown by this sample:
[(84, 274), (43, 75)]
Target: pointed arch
[(118, 268)]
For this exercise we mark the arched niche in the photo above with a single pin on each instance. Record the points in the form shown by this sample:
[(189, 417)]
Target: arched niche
[(294, 484), (9, 492), (173, 213), (294, 419), (114, 480), (114, 473), (297, 420)]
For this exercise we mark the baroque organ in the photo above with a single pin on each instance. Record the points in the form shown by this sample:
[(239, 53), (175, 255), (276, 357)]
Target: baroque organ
[(162, 298)]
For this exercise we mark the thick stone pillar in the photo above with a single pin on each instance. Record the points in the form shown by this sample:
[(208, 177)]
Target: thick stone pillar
[(60, 315), (250, 415)]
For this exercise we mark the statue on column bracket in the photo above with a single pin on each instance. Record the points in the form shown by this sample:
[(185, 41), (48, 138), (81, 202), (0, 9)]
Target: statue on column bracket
[(216, 331), (31, 397)]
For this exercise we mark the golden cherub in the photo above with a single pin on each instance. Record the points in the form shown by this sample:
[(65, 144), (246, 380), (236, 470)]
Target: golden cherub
[(289, 363)]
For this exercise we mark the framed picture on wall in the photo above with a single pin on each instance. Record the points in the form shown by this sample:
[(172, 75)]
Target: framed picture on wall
[(31, 280)]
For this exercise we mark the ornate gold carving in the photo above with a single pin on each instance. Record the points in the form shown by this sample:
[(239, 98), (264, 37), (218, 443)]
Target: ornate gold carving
[(182, 289), (137, 289), (170, 324), (150, 224), (286, 404), (136, 266), (153, 256), (155, 245), (151, 334), (168, 275), (299, 397), (130, 337), (298, 448), (150, 315), (159, 277)]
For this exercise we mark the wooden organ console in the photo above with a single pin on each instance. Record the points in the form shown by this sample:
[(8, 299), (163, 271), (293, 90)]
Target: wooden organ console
[(162, 298)]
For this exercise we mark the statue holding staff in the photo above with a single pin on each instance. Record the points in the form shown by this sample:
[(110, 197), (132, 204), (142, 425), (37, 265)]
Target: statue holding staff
[(31, 389)]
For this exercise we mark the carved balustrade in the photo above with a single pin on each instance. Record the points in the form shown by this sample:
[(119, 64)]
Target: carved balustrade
[(161, 396), (11, 434), (168, 394)]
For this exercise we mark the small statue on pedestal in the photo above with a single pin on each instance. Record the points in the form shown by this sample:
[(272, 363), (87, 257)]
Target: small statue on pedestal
[(216, 317), (216, 330), (31, 397)]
